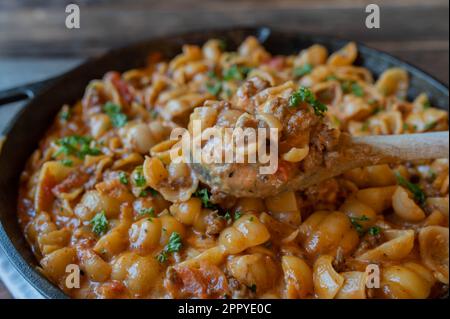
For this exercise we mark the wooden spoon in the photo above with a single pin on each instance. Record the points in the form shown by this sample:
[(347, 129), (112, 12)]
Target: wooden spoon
[(244, 180)]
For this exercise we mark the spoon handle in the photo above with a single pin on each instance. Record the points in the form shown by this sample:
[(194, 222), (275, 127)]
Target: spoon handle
[(408, 147)]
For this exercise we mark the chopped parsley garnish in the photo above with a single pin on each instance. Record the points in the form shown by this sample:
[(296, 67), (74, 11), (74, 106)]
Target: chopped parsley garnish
[(305, 95), (346, 86), (67, 162), (205, 197), (76, 145), (227, 216), (355, 222), (365, 126), (236, 72), (357, 90), (331, 78), (138, 177), (237, 215), (372, 102), (302, 70), (376, 110), (352, 87), (214, 88), (212, 75), (430, 125), (426, 104), (432, 174), (407, 127), (114, 111), (174, 245), (154, 114), (228, 92), (144, 192), (162, 257), (65, 114), (123, 179), (417, 192), (147, 211), (99, 223), (374, 231), (222, 44)]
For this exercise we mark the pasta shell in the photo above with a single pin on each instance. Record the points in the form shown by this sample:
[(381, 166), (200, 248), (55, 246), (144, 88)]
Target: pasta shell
[(433, 243), (327, 282), (398, 245)]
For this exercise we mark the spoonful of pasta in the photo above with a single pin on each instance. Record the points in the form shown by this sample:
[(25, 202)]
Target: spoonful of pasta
[(244, 180), (309, 151)]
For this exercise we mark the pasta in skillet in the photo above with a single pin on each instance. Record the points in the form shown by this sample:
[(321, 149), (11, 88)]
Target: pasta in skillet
[(103, 193)]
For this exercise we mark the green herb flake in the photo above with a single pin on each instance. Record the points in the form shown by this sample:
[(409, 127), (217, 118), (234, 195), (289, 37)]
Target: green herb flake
[(67, 162), (65, 115), (305, 95), (99, 223), (236, 72), (227, 216), (417, 192), (302, 70), (76, 145), (114, 111), (426, 104), (365, 126), (138, 177), (212, 75), (147, 211), (357, 90), (228, 92), (222, 45), (162, 257), (174, 245), (376, 110), (430, 125), (154, 114), (372, 102), (346, 86), (432, 174), (205, 197), (237, 215), (123, 179), (356, 223), (214, 88), (374, 231), (143, 193)]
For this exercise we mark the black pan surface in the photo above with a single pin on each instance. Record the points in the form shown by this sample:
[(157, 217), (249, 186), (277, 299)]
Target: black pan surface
[(29, 126)]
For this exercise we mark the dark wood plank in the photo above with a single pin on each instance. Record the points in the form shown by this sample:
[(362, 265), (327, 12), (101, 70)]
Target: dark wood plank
[(40, 30), (211, 4), (415, 30)]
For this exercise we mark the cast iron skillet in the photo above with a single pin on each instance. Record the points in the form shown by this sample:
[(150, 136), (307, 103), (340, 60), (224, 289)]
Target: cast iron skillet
[(46, 98)]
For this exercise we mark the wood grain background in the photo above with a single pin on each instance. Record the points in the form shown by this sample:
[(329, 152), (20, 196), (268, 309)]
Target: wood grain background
[(35, 44)]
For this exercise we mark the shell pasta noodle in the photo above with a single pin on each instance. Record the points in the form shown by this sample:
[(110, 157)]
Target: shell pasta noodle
[(102, 192)]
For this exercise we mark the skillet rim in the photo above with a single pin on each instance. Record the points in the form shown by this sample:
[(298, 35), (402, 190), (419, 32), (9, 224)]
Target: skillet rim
[(26, 270)]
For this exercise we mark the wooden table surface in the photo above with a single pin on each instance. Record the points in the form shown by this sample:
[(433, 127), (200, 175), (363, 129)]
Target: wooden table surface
[(34, 43)]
